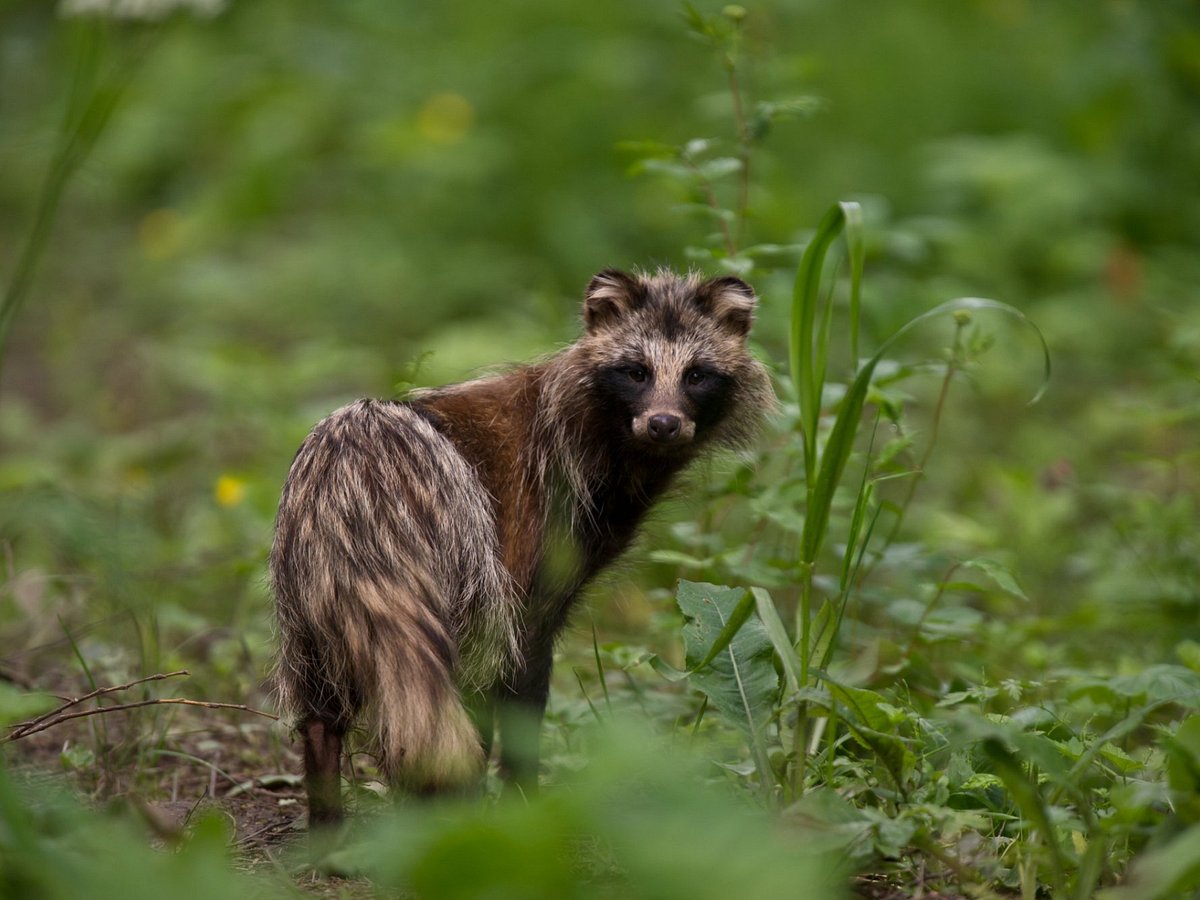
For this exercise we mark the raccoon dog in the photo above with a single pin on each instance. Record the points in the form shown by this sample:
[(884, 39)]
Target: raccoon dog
[(427, 552)]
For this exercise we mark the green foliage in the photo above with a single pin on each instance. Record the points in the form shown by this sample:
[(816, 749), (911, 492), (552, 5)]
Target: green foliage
[(631, 824), (1058, 777), (16, 705), (52, 848), (729, 659), (970, 627)]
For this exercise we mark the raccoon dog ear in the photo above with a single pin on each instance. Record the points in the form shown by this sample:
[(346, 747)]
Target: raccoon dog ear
[(610, 295), (730, 301)]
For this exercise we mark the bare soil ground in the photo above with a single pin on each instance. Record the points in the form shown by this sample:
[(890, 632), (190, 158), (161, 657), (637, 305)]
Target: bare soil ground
[(170, 764)]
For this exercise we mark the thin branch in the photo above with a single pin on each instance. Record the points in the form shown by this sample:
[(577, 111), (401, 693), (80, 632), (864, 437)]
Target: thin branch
[(919, 474), (710, 198), (24, 726), (941, 589), (99, 710), (953, 367)]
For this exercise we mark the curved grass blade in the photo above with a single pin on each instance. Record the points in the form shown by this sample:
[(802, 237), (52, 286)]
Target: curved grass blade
[(856, 250), (806, 295), (600, 670), (845, 427), (93, 100)]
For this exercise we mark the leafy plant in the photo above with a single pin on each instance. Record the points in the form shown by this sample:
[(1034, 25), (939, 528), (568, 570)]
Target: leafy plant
[(1001, 610), (102, 76), (631, 823), (52, 847), (703, 168)]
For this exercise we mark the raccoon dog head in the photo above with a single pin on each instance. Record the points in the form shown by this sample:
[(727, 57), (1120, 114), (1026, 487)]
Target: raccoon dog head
[(667, 359)]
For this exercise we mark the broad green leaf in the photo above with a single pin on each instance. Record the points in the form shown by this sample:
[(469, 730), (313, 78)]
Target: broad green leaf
[(839, 824), (972, 729), (1119, 759), (1154, 684), (1105, 746), (1161, 682), (1183, 757), (738, 265), (982, 781), (773, 250), (891, 835), (678, 558), (666, 167), (732, 625), (665, 669), (740, 681), (1188, 653), (871, 725), (713, 169)]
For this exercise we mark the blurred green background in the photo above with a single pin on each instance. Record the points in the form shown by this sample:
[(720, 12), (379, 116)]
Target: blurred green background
[(298, 204)]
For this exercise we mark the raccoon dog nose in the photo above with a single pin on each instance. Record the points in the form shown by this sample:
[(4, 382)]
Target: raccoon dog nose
[(664, 428)]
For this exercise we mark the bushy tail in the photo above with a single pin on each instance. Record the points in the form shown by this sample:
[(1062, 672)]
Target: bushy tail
[(427, 739), (381, 646), (386, 563)]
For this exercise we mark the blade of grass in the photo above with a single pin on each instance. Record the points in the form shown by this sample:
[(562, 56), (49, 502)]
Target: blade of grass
[(583, 690), (700, 714), (777, 632), (840, 442), (600, 670), (862, 502), (856, 251), (99, 729), (90, 107), (807, 367), (819, 355), (806, 295)]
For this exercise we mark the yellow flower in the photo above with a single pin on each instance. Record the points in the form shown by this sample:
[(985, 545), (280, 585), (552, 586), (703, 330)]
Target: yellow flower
[(229, 491), (160, 233), (445, 118)]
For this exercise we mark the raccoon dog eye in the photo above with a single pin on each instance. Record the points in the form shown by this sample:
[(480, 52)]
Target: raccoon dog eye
[(696, 376), (637, 374)]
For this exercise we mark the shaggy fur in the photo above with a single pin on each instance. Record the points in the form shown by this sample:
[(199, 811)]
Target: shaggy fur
[(427, 553)]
